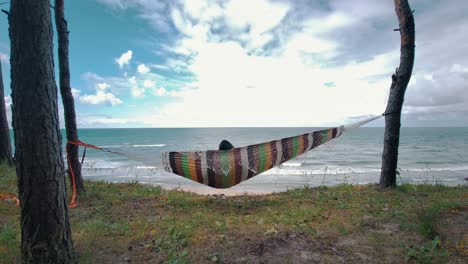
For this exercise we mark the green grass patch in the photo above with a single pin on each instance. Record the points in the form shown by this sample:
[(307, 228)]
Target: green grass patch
[(7, 179), (116, 221), (10, 242), (426, 253), (429, 218)]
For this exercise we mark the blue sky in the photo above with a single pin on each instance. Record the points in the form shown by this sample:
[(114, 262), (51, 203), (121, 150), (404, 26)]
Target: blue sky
[(189, 63)]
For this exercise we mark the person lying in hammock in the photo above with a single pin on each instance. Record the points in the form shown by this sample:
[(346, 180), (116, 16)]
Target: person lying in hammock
[(225, 145)]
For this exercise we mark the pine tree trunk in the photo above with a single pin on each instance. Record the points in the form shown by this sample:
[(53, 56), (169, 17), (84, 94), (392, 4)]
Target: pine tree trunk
[(67, 96), (400, 81), (45, 228), (5, 144)]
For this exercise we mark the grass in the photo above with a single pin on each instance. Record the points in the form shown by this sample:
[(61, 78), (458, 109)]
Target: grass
[(426, 253), (118, 222), (428, 217), (9, 218)]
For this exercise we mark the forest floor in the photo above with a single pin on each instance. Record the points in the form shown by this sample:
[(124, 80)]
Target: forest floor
[(135, 223)]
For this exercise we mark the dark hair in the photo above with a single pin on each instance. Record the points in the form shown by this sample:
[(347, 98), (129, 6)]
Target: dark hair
[(225, 145)]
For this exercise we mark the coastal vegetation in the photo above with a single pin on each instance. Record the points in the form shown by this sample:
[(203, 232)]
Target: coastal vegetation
[(132, 222)]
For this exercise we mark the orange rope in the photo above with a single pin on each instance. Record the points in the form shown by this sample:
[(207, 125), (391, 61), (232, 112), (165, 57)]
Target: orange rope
[(81, 143), (73, 202), (9, 196)]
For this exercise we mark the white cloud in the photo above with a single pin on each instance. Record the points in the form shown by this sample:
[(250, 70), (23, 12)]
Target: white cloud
[(177, 65), (428, 77), (260, 15), (100, 97), (92, 77), (5, 58), (200, 9), (160, 66), (176, 93), (138, 86), (308, 44), (101, 120), (161, 91), (109, 120), (273, 59), (425, 88), (148, 84), (291, 90), (291, 81), (135, 86), (132, 80), (102, 86), (93, 120), (328, 23), (137, 92), (143, 69), (103, 94), (457, 68), (76, 93), (124, 59), (7, 101)]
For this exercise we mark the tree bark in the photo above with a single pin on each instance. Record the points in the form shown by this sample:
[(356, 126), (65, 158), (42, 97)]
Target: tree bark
[(400, 81), (67, 96), (45, 228), (5, 144)]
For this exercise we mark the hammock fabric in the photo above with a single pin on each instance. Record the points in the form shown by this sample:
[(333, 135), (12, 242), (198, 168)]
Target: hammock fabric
[(226, 168)]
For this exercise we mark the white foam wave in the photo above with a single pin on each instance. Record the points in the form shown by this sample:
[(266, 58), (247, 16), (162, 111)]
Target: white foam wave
[(292, 168), (350, 170), (455, 168), (113, 146), (149, 145), (292, 164), (95, 163), (146, 167)]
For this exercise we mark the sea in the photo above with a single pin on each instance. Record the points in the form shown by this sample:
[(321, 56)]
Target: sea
[(426, 156)]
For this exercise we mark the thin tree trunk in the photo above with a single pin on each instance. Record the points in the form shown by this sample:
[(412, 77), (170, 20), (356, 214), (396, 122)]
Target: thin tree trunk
[(400, 81), (5, 144), (45, 228), (67, 96)]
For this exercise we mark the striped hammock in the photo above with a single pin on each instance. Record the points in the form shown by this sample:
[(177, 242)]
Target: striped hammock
[(226, 168)]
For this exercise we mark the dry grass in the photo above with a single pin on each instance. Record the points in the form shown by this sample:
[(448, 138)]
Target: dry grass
[(139, 223)]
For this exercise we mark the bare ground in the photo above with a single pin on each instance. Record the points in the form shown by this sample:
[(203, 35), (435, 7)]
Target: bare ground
[(369, 243)]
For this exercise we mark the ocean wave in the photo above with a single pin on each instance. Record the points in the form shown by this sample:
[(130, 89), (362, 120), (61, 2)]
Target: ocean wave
[(129, 145), (146, 167), (149, 145), (350, 170), (114, 146), (429, 169), (328, 171), (96, 163), (289, 168), (292, 164)]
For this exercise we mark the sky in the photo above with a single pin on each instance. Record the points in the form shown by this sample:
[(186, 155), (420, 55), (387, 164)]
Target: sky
[(278, 63)]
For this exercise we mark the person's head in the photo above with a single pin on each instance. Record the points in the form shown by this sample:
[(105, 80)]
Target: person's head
[(225, 145)]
